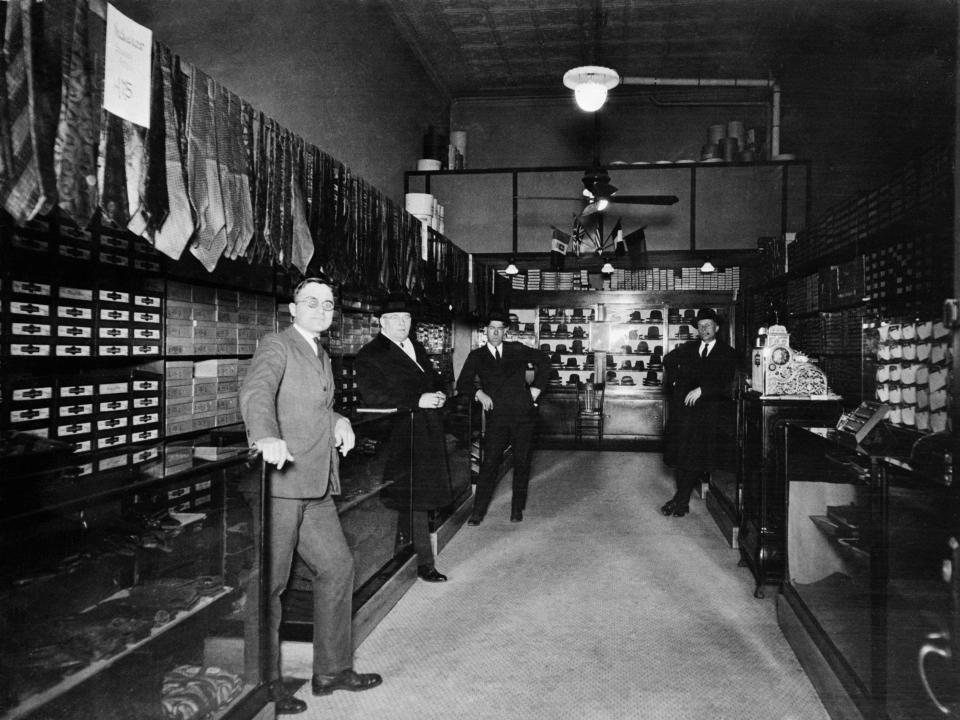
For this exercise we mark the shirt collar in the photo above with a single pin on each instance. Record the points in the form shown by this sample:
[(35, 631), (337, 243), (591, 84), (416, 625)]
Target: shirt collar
[(493, 350), (309, 337)]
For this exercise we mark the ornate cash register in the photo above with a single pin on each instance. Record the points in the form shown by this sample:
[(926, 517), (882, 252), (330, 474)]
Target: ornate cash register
[(785, 386)]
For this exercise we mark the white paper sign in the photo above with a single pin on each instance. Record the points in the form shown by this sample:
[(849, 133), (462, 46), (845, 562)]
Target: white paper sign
[(126, 89)]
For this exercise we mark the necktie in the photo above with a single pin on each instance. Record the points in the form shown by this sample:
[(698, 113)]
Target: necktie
[(496, 353), (319, 346), (703, 352)]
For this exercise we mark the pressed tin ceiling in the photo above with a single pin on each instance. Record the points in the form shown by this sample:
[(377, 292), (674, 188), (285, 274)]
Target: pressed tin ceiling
[(478, 48)]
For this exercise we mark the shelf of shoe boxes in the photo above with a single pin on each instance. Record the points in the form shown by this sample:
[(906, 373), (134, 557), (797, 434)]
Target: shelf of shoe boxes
[(102, 411), (686, 278), (353, 326), (215, 331)]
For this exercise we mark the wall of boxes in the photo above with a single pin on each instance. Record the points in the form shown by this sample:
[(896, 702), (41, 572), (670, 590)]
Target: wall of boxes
[(101, 349)]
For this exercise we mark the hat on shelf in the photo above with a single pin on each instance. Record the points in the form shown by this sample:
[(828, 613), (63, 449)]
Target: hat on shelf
[(574, 379), (555, 359), (627, 380), (528, 327), (578, 332), (545, 347), (683, 332), (578, 313), (562, 328), (689, 314), (633, 334), (611, 375), (658, 349), (651, 379), (638, 365), (673, 315), (636, 316), (708, 314), (642, 347), (656, 315), (627, 349), (653, 332), (611, 362), (625, 365), (544, 329), (590, 358), (577, 346), (561, 348), (655, 364), (572, 362)]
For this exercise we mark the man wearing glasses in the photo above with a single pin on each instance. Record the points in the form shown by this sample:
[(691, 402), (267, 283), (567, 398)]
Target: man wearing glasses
[(287, 406)]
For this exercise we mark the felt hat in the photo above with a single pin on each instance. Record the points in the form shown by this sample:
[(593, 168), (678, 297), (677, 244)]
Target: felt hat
[(611, 375), (689, 314), (627, 380), (555, 359), (561, 348), (656, 315), (642, 347), (574, 379), (578, 332), (627, 349), (638, 365), (625, 365), (636, 316), (496, 315), (683, 331), (653, 332), (545, 347), (708, 314), (651, 379), (396, 303), (577, 346), (572, 362)]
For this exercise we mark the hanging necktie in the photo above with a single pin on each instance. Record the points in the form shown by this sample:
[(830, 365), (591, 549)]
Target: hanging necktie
[(703, 352), (496, 354), (319, 346)]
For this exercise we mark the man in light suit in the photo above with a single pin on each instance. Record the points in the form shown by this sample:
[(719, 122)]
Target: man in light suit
[(495, 376), (287, 406), (394, 371)]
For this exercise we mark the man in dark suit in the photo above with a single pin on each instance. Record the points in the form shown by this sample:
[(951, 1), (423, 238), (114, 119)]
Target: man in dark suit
[(394, 371), (699, 435), (495, 376), (287, 406)]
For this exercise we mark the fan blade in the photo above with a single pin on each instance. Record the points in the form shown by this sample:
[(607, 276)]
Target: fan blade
[(550, 197), (644, 199)]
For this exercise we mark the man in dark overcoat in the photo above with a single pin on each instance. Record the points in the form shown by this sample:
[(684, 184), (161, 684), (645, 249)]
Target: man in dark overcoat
[(495, 376), (394, 371), (700, 428)]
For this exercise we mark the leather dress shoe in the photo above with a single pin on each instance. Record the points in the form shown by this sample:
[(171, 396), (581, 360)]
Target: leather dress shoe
[(430, 574), (475, 519), (516, 515), (675, 508), (344, 680), (285, 702)]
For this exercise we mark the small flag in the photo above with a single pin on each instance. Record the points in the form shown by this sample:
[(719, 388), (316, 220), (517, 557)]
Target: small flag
[(636, 243), (559, 243), (619, 246)]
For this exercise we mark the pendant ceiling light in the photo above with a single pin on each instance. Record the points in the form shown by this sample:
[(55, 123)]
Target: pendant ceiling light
[(707, 267), (511, 268), (607, 268), (590, 84)]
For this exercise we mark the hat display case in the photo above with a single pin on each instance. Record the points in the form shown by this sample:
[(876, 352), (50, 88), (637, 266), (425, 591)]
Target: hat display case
[(634, 336), (564, 334)]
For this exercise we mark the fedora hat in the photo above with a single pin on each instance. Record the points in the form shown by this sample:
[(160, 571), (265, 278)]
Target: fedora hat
[(561, 348), (555, 359), (577, 346), (689, 314), (656, 315), (642, 347), (574, 379), (636, 316), (638, 365), (496, 316), (658, 349), (651, 378), (708, 314), (683, 331), (578, 332), (572, 362), (545, 347), (627, 380), (653, 332), (396, 303)]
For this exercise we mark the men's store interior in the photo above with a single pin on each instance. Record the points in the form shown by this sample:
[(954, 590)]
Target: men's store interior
[(601, 171)]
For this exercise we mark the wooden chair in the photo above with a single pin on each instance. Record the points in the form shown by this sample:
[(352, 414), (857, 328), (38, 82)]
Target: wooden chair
[(589, 417)]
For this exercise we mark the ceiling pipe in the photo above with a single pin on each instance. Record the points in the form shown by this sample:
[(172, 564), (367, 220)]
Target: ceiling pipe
[(772, 85)]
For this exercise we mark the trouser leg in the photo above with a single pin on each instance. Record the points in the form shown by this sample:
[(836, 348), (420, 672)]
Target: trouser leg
[(284, 516), (522, 456), (495, 441), (686, 481), (421, 539), (326, 553)]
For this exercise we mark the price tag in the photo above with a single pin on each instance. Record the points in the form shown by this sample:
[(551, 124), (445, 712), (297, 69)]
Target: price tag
[(126, 88)]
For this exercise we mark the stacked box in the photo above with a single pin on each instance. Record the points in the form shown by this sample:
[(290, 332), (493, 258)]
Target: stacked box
[(204, 320), (178, 397), (145, 407), (113, 401), (74, 413), (27, 319), (179, 319), (147, 327), (228, 317), (204, 397)]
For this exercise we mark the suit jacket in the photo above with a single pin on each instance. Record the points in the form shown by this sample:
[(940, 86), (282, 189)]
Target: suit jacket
[(700, 437), (506, 383), (288, 394), (388, 378)]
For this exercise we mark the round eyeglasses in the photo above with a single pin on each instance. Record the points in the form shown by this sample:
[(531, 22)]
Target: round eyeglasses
[(314, 303)]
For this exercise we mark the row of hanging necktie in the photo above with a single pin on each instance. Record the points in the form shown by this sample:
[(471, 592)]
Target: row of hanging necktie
[(211, 174)]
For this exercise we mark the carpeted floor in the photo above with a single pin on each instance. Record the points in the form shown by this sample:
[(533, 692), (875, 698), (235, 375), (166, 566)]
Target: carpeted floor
[(594, 607)]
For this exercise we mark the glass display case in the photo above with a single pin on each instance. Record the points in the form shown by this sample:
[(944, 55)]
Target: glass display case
[(130, 593), (871, 547)]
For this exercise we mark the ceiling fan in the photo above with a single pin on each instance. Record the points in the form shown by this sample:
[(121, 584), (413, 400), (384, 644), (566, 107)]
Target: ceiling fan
[(599, 194)]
